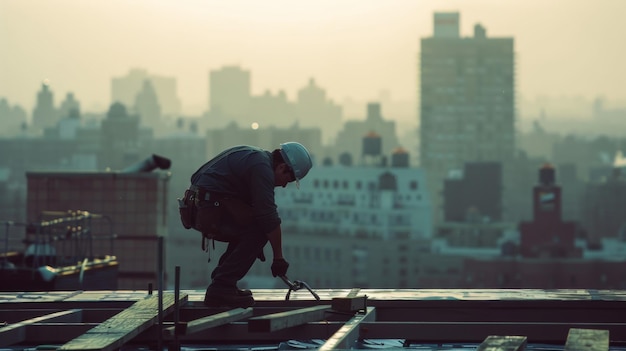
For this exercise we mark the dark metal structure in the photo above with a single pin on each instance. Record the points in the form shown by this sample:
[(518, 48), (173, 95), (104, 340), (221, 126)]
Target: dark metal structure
[(341, 319)]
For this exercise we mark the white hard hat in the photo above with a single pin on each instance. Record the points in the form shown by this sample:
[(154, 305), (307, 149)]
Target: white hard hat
[(297, 158)]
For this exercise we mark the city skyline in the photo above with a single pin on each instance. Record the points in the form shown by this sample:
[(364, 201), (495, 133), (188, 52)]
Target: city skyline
[(354, 50)]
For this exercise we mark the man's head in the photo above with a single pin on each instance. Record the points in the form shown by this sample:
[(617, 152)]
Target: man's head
[(295, 166)]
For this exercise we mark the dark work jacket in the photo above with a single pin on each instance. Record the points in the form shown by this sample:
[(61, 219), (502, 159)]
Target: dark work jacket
[(245, 172)]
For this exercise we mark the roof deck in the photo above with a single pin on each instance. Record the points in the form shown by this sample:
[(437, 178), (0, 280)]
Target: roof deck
[(342, 319)]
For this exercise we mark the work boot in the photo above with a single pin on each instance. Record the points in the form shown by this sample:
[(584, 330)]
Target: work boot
[(228, 297)]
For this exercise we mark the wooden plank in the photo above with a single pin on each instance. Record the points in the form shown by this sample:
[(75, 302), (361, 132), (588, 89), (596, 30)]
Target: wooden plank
[(503, 343), (345, 338), (117, 330), (587, 340), (349, 304), (353, 292), (283, 320), (432, 332), (197, 325), (16, 333)]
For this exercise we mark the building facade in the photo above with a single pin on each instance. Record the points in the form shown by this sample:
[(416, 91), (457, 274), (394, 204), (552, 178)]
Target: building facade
[(125, 89), (467, 98), (134, 205)]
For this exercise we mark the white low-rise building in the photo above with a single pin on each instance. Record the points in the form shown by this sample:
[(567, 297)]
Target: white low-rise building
[(359, 201)]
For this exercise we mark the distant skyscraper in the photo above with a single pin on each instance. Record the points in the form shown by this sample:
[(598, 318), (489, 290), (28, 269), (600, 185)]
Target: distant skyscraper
[(147, 105), (125, 90), (467, 94), (70, 107), (44, 114), (12, 118), (119, 138), (229, 92), (315, 110)]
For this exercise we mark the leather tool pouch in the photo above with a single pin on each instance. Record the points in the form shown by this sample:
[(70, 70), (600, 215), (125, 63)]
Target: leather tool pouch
[(187, 209), (209, 214)]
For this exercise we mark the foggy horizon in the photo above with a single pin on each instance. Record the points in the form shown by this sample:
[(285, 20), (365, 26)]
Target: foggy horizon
[(353, 50)]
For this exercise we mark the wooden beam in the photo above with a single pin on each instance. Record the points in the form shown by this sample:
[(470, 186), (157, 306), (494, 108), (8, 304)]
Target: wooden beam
[(503, 343), (283, 320), (197, 325), (349, 304), (124, 326), (346, 337), (587, 340), (538, 332), (16, 333), (353, 292)]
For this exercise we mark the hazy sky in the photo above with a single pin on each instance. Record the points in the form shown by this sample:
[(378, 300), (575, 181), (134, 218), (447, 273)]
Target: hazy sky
[(353, 48)]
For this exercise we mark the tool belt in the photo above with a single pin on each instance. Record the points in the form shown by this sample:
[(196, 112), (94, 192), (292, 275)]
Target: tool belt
[(204, 211), (201, 210)]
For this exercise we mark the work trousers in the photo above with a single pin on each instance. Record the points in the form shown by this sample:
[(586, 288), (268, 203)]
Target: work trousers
[(239, 256)]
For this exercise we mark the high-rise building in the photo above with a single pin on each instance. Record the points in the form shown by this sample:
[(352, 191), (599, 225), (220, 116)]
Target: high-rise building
[(44, 115), (119, 138), (467, 95), (70, 107), (229, 92), (314, 109), (125, 89), (147, 105)]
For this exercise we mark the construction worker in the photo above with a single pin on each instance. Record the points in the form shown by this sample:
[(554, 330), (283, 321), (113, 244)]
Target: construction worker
[(234, 196)]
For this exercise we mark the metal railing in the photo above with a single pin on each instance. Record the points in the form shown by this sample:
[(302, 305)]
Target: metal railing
[(59, 238)]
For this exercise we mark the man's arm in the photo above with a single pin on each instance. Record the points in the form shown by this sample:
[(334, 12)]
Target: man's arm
[(275, 238), (279, 264)]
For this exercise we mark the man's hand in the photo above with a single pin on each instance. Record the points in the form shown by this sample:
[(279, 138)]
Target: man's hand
[(279, 267)]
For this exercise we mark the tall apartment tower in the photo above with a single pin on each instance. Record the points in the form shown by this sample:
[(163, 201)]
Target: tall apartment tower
[(45, 114), (467, 94), (126, 88), (229, 92)]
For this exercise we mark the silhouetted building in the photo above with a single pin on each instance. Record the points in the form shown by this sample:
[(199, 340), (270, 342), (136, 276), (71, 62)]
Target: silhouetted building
[(605, 207), (147, 105), (13, 119), (314, 109), (125, 89), (70, 107), (467, 94), (45, 114), (229, 93), (475, 196), (120, 138)]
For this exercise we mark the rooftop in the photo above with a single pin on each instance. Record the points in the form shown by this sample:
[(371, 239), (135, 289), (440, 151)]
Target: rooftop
[(422, 319)]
